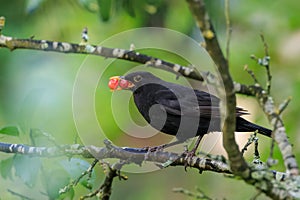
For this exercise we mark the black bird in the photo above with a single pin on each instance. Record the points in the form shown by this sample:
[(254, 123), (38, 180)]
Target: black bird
[(178, 110)]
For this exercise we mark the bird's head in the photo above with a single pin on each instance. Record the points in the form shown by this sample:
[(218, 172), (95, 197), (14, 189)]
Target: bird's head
[(132, 81)]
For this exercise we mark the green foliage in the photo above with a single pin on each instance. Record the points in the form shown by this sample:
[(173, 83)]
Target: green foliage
[(74, 166), (90, 5), (105, 9), (27, 168), (6, 167), (10, 130), (54, 180), (37, 86), (128, 6)]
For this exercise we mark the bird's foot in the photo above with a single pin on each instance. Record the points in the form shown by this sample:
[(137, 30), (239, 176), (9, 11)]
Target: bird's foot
[(188, 156), (154, 149)]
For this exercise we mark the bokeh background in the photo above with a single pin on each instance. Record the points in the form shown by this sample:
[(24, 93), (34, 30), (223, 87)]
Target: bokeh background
[(37, 88)]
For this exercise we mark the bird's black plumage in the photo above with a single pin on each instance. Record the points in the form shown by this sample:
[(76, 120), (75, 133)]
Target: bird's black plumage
[(181, 111)]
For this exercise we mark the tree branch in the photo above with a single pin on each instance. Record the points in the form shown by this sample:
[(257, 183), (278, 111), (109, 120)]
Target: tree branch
[(110, 151), (83, 48), (104, 191), (267, 104), (238, 165), (129, 55), (261, 177), (274, 114), (237, 162)]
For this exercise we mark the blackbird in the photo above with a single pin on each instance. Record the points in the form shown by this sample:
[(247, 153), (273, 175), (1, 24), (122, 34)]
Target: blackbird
[(178, 110)]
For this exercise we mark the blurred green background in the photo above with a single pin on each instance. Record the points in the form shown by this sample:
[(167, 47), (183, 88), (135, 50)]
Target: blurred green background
[(37, 87)]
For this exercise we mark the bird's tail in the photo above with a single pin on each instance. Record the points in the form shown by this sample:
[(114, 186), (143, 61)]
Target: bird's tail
[(246, 126)]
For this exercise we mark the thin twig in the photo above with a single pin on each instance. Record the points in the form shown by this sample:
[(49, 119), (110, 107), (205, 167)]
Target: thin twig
[(256, 152), (271, 161), (197, 195), (267, 104), (251, 139), (104, 191), (76, 181), (256, 195), (284, 105), (19, 195), (266, 63), (251, 73)]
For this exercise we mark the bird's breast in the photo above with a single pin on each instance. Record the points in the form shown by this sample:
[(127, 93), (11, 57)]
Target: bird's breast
[(143, 104)]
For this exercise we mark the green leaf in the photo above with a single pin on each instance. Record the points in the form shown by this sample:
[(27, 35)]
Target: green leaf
[(68, 195), (55, 180), (90, 5), (27, 168), (128, 7), (74, 166), (87, 184), (105, 9), (6, 168), (10, 130)]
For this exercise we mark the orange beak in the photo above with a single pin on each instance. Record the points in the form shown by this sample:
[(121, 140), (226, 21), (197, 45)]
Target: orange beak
[(119, 83)]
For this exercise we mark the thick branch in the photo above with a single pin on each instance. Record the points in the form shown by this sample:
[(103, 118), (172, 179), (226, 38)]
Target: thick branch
[(262, 178), (173, 159), (64, 47), (129, 55), (237, 162)]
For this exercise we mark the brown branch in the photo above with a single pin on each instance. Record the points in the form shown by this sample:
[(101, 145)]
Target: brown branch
[(228, 28), (261, 177), (104, 191), (238, 165), (237, 162)]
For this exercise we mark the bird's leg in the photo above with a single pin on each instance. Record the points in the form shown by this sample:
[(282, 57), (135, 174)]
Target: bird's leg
[(160, 147), (163, 146), (190, 154)]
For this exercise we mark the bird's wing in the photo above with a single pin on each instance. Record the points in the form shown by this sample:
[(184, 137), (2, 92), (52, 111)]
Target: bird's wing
[(185, 104), (195, 103), (168, 101)]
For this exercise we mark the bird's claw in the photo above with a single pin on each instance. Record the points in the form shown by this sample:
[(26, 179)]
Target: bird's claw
[(188, 156), (152, 150)]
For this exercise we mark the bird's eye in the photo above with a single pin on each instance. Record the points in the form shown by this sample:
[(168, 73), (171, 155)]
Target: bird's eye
[(137, 78)]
